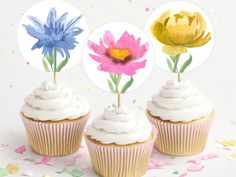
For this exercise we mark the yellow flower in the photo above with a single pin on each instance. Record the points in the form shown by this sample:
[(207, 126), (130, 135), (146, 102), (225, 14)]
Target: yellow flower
[(180, 31), (13, 169)]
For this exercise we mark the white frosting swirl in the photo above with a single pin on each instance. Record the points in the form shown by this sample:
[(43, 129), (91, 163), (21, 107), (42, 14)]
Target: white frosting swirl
[(54, 102), (120, 126), (179, 101)]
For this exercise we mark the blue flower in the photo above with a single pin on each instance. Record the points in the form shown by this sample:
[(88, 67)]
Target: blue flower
[(56, 34)]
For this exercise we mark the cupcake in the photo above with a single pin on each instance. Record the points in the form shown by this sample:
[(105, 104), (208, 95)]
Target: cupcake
[(54, 117), (182, 116), (120, 142)]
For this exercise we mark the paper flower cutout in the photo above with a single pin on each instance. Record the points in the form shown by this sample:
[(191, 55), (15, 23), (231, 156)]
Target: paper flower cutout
[(178, 32), (119, 57), (57, 34)]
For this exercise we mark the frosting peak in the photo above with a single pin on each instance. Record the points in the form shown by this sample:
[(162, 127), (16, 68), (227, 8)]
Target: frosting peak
[(54, 102), (120, 126), (179, 101)]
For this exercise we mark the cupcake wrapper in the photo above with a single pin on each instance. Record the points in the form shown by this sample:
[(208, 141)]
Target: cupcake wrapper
[(55, 138), (121, 161), (181, 139)]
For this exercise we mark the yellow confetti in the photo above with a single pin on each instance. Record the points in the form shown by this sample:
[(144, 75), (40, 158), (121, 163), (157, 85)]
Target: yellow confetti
[(228, 143), (232, 156), (89, 88), (13, 169), (46, 175)]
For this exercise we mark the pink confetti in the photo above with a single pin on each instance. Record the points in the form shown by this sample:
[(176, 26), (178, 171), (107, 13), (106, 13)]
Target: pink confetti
[(169, 163), (184, 174), (155, 165), (195, 168), (196, 161), (20, 150), (70, 162), (3, 147), (27, 173), (44, 160), (147, 9), (209, 156)]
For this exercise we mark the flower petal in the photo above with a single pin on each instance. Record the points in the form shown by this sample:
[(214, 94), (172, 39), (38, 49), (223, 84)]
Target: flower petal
[(109, 39), (174, 50), (129, 42), (37, 23), (99, 49), (200, 42), (130, 68), (100, 59), (157, 30), (71, 23), (52, 16)]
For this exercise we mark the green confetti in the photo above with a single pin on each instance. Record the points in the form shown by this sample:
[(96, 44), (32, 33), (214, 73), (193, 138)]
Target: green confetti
[(176, 172), (30, 160), (62, 171), (3, 172), (134, 101), (172, 157), (76, 173), (113, 105)]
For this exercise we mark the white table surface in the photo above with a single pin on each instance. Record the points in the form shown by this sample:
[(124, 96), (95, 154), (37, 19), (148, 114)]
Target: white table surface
[(216, 78)]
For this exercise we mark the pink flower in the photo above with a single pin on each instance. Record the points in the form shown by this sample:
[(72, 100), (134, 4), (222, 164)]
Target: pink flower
[(120, 56)]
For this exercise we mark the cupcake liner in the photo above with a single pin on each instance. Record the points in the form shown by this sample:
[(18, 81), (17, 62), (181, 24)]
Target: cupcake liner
[(50, 138), (181, 138), (120, 160)]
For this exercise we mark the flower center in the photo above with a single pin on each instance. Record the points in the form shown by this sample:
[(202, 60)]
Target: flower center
[(119, 54)]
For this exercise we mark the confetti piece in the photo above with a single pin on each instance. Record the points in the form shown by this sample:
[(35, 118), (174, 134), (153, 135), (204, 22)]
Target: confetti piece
[(134, 101), (20, 150), (184, 174), (228, 143), (3, 147), (113, 105), (89, 88), (155, 165), (62, 171), (209, 156), (232, 157), (3, 172), (27, 173), (147, 9), (196, 161), (195, 168), (70, 162), (13, 169), (46, 175), (176, 172), (76, 173), (30, 160), (169, 163), (44, 160)]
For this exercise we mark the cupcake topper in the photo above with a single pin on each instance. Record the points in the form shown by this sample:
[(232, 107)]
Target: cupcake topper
[(179, 32), (55, 36), (120, 50)]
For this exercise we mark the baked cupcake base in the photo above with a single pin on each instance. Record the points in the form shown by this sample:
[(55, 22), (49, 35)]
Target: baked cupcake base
[(120, 160), (55, 138), (181, 138)]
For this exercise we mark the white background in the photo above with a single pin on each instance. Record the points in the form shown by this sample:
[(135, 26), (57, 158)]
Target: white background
[(216, 78)]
